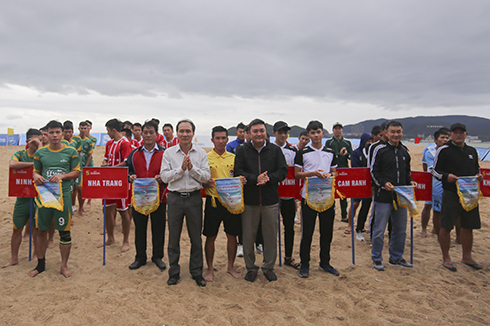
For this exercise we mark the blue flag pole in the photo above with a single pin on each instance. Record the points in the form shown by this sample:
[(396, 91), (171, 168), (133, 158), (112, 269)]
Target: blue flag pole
[(411, 240), (279, 231), (103, 259), (352, 231), (30, 229)]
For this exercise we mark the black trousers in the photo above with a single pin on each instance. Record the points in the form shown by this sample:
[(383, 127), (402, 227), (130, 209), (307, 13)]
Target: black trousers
[(326, 233), (343, 208), (158, 221), (363, 213), (288, 212)]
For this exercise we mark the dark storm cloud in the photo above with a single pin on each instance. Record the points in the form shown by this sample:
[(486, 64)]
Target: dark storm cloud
[(388, 53)]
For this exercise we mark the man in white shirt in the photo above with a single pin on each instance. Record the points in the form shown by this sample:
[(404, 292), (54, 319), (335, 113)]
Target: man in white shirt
[(288, 205), (184, 168)]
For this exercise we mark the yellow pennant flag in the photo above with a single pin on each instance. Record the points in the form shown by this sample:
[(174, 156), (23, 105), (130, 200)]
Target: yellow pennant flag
[(146, 195), (320, 193), (10, 131)]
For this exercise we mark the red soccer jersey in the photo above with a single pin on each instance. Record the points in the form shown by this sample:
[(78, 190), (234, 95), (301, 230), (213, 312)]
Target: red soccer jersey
[(117, 152), (160, 138), (167, 144), (135, 143)]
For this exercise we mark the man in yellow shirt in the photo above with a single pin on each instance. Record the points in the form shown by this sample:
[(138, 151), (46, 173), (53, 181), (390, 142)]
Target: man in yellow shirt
[(221, 164)]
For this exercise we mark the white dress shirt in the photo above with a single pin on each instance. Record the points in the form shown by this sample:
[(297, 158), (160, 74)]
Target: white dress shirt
[(180, 180)]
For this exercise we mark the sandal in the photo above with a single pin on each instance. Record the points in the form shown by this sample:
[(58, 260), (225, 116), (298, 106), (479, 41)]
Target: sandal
[(347, 231), (292, 263), (476, 266), (450, 266)]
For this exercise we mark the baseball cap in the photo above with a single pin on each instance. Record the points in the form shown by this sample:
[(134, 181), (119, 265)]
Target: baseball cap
[(458, 125), (337, 124), (280, 125)]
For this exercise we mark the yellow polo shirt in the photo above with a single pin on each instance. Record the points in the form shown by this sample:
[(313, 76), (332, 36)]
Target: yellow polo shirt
[(221, 166)]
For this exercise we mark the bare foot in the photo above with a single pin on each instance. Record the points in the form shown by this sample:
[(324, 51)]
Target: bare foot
[(10, 263), (83, 210), (101, 233), (66, 272), (88, 205), (233, 272), (107, 243), (125, 247), (80, 212), (50, 244), (72, 222), (423, 234), (33, 273), (209, 276)]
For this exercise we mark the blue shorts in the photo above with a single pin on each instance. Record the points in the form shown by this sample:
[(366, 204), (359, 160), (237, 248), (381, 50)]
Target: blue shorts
[(436, 202)]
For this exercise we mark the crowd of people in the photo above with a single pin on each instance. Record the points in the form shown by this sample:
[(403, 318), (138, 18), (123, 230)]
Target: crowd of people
[(182, 169)]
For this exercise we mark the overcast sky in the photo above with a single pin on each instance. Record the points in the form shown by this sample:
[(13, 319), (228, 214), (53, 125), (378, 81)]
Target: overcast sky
[(222, 62)]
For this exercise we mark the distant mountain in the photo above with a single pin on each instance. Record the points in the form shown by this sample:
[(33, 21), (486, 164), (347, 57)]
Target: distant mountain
[(424, 127), (294, 132)]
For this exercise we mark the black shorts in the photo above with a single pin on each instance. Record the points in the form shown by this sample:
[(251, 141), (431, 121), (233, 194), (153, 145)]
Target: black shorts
[(452, 210), (213, 217)]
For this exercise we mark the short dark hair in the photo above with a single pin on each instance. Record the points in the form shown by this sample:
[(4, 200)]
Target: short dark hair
[(303, 133), (67, 125), (442, 131), (127, 132), (255, 122), (45, 128), (33, 132), (314, 125), (394, 123), (128, 123), (137, 124), (384, 125), (241, 126), (218, 129), (83, 124), (375, 130), (155, 120), (168, 125), (149, 124), (89, 122), (188, 121), (114, 124), (53, 124)]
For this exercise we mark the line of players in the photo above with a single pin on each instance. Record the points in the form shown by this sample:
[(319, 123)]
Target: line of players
[(336, 149)]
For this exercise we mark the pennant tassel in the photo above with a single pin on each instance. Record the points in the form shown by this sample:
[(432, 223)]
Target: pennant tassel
[(471, 186), (142, 190), (315, 198), (232, 200)]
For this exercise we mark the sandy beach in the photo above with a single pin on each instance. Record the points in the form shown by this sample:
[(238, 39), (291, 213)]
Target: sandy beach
[(112, 294)]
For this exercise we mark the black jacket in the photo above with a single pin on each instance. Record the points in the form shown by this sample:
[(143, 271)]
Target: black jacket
[(250, 163), (460, 161), (389, 164)]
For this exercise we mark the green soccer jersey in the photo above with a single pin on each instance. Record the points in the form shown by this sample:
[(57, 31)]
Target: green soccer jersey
[(49, 162), (337, 145), (77, 139), (22, 156), (94, 142), (73, 143), (85, 148)]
